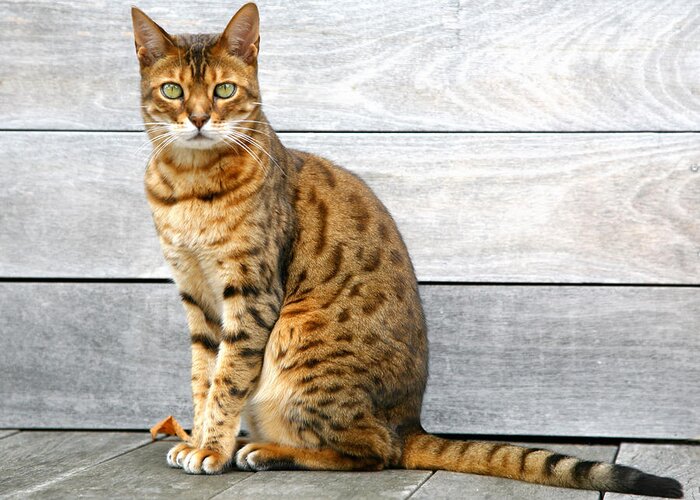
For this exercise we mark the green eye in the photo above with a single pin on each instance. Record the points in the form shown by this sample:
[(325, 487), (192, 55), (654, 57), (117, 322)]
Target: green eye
[(171, 90), (224, 90)]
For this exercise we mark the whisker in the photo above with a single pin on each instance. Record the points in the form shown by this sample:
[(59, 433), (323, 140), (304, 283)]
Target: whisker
[(261, 148), (252, 121), (161, 147), (249, 151), (149, 142), (266, 105), (252, 130)]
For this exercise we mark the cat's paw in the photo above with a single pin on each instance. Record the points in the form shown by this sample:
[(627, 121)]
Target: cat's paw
[(203, 461), (260, 456), (177, 453)]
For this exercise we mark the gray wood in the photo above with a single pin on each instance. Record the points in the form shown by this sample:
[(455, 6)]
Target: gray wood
[(7, 433), (141, 473), (617, 208), (105, 356), (681, 462), (571, 361), (454, 485), (584, 361), (328, 485), (392, 65), (34, 460)]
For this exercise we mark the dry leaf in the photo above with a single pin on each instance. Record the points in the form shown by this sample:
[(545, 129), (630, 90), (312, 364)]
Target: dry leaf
[(170, 427)]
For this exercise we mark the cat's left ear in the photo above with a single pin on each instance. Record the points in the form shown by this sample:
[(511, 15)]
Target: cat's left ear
[(242, 34), (152, 41)]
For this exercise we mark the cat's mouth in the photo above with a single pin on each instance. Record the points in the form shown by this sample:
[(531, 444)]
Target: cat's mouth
[(198, 136), (198, 140)]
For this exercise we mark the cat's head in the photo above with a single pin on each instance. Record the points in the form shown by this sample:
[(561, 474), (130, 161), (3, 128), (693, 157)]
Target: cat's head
[(197, 91)]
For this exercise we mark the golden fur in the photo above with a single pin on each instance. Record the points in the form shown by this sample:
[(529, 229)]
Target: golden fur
[(300, 296)]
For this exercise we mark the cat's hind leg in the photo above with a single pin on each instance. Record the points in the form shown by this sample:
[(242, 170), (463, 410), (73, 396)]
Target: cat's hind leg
[(270, 456)]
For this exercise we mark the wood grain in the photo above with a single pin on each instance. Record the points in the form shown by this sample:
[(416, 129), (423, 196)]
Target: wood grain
[(508, 360), (571, 361), (32, 460), (394, 65), (7, 433), (449, 485), (398, 484), (677, 461), (613, 208), (141, 473)]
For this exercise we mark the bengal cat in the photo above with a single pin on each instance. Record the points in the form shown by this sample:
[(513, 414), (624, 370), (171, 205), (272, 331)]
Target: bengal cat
[(301, 299)]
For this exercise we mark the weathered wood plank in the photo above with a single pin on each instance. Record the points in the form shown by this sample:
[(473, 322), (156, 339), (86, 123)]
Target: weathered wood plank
[(392, 65), (33, 460), (328, 485), (7, 433), (141, 473), (111, 356), (678, 461), (617, 208), (584, 361), (454, 485), (571, 361)]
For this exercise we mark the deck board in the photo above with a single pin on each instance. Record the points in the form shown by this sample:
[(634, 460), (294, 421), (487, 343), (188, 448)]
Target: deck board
[(503, 359), (681, 462), (392, 65), (397, 484), (33, 460), (557, 208), (142, 473), (449, 485), (7, 433), (124, 465)]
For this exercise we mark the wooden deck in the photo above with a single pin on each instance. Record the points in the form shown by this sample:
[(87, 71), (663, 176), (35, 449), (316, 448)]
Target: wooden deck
[(84, 464)]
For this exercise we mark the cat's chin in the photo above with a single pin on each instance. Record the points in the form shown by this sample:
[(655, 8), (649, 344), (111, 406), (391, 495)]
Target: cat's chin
[(198, 143)]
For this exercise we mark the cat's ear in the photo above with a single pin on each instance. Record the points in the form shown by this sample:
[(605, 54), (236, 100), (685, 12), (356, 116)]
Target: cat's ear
[(152, 41), (242, 34)]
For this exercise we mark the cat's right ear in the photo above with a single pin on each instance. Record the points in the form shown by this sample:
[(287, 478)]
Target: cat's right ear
[(152, 41), (241, 37)]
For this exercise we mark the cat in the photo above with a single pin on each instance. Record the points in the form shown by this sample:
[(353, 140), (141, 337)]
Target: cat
[(301, 300)]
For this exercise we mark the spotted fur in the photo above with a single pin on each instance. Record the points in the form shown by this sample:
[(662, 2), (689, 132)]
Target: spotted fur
[(300, 296)]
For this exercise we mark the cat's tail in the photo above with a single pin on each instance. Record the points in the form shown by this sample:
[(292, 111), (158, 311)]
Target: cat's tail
[(533, 465)]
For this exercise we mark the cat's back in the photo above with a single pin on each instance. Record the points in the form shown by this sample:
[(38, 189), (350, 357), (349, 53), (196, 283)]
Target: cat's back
[(336, 209), (350, 264)]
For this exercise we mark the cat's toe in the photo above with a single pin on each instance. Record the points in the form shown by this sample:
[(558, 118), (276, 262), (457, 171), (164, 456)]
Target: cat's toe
[(260, 457), (179, 450), (242, 457), (204, 461)]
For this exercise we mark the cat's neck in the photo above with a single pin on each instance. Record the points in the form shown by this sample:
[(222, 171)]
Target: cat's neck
[(199, 172)]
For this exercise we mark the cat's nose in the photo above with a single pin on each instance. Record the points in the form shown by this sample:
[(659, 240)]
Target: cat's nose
[(199, 119)]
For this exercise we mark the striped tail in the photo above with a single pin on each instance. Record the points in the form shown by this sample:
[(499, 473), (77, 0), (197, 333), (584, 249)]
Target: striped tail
[(532, 465)]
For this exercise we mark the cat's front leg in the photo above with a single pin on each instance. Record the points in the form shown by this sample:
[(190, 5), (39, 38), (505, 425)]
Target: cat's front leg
[(247, 323), (204, 335)]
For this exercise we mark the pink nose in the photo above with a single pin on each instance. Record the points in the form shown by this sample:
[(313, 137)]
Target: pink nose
[(199, 119)]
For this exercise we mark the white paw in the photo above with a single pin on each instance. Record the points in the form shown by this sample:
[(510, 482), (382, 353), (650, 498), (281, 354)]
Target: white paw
[(245, 458)]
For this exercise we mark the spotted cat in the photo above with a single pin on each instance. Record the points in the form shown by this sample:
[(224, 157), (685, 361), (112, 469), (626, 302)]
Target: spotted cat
[(301, 299)]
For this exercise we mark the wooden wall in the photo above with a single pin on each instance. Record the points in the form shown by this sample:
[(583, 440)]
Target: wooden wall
[(540, 158)]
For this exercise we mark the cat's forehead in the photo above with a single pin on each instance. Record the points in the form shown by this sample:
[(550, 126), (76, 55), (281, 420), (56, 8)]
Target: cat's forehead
[(196, 52), (200, 60)]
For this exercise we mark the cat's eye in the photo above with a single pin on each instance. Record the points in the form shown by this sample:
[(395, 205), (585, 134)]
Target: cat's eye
[(224, 90), (171, 90)]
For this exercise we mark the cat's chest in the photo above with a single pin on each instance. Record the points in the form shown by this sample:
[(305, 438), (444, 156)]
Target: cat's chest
[(192, 224)]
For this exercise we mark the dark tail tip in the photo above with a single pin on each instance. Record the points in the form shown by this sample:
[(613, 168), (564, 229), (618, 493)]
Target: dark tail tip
[(640, 483), (659, 486)]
